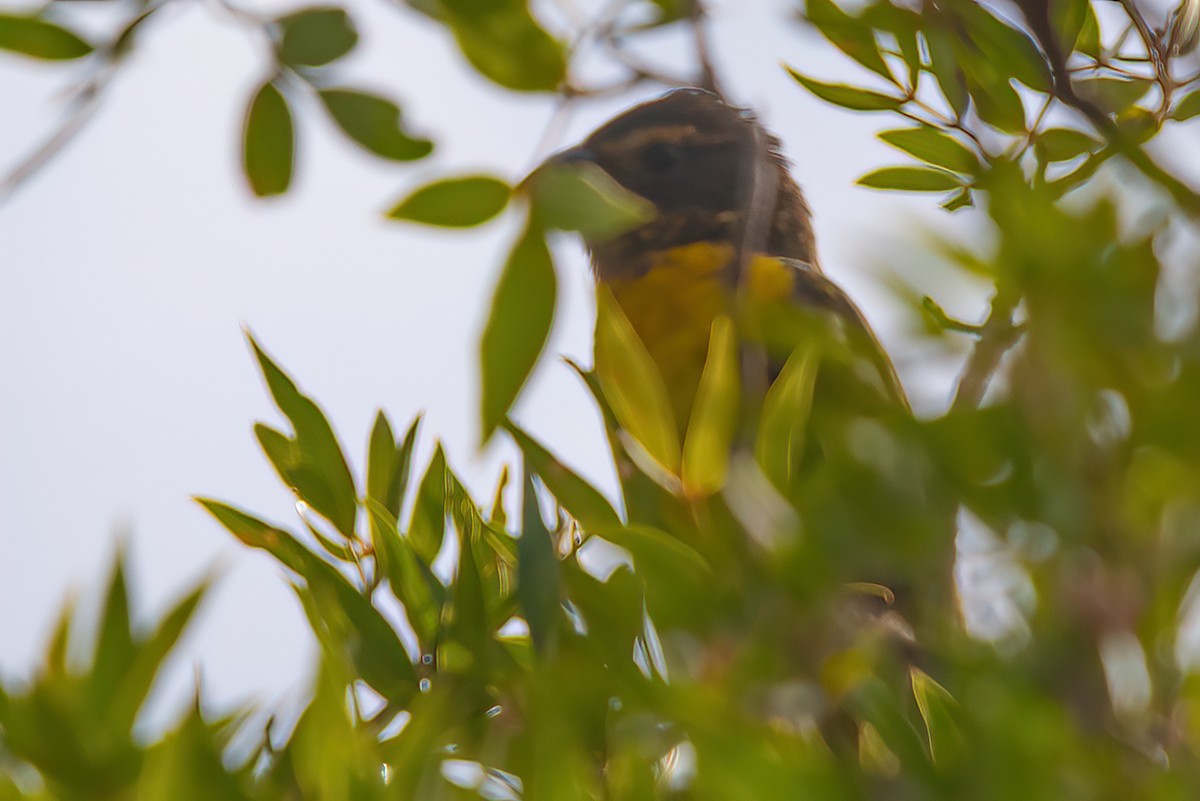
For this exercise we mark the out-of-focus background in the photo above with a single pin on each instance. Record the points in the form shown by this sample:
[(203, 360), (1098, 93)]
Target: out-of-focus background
[(130, 264)]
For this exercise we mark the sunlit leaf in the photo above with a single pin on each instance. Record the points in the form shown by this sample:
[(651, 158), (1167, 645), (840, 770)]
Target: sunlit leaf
[(711, 430), (268, 149), (454, 202), (428, 525), (850, 97), (504, 43), (314, 37), (374, 123), (938, 709), (31, 36), (633, 385), (517, 327), (911, 179)]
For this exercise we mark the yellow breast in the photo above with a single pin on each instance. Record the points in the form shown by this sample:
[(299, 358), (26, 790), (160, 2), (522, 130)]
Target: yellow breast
[(672, 307)]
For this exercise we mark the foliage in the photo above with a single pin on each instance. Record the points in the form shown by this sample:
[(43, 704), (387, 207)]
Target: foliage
[(808, 600)]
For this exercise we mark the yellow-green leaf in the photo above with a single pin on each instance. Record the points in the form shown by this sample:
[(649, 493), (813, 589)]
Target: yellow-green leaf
[(781, 432), (37, 38), (850, 97), (911, 179), (269, 145), (633, 385), (711, 430), (454, 202)]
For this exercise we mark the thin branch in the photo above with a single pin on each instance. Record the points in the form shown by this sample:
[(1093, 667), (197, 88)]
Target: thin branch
[(997, 336), (708, 74)]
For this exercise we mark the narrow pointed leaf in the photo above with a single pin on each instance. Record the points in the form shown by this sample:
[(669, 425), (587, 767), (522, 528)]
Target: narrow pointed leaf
[(517, 328), (427, 528), (710, 433), (537, 572), (850, 97), (932, 146), (781, 435), (911, 179), (583, 501), (31, 36), (851, 35)]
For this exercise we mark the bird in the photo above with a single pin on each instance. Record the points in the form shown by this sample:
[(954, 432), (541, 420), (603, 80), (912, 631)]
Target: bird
[(729, 222)]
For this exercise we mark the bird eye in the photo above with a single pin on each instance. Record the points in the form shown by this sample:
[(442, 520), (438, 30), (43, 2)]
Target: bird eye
[(660, 158)]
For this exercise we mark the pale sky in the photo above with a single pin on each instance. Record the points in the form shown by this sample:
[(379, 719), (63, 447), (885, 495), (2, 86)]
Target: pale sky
[(129, 265)]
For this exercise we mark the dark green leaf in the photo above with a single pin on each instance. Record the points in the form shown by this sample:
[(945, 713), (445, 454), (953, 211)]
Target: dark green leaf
[(993, 44), (455, 202), (659, 557), (313, 464), (934, 147), (537, 573), (1069, 18), (38, 38), (850, 97), (852, 36), (583, 501), (911, 179), (411, 580), (314, 37), (467, 647), (943, 63), (427, 527), (518, 326), (268, 149), (1064, 144), (374, 123), (388, 463), (257, 533)]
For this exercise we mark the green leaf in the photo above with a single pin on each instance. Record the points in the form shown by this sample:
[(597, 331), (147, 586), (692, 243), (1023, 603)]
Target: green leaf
[(710, 432), (410, 579), (943, 63), (934, 147), (258, 534), (314, 37), (455, 202), (851, 35), (781, 434), (583, 501), (1114, 95), (850, 97), (1069, 18), (938, 709), (38, 38), (388, 463), (115, 649), (1188, 107), (632, 384), (467, 646), (992, 44), (374, 123), (268, 147), (517, 327), (911, 179), (505, 44), (312, 464), (580, 196), (427, 527), (659, 557), (1064, 144), (538, 581)]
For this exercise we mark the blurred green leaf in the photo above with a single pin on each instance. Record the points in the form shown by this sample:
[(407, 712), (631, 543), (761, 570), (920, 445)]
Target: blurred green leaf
[(993, 44), (1064, 144), (659, 557), (633, 385), (505, 44), (537, 573), (911, 179), (1112, 94), (454, 202), (1188, 107), (517, 327), (313, 37), (115, 650), (311, 462), (186, 765), (467, 646), (943, 63), (411, 580), (583, 501), (709, 441), (31, 36), (852, 36), (257, 533), (1088, 40), (582, 197), (268, 149), (938, 709), (850, 97), (934, 147), (427, 528), (1069, 18), (374, 123), (781, 433)]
